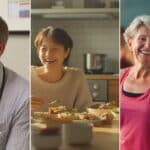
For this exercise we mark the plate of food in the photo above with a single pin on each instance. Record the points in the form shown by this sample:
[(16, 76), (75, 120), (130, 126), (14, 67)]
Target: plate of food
[(102, 114)]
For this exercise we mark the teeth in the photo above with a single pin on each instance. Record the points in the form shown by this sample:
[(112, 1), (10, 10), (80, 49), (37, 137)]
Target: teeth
[(50, 61), (145, 52)]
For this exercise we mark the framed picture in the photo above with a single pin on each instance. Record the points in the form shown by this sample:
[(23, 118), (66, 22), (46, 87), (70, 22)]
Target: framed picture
[(17, 14)]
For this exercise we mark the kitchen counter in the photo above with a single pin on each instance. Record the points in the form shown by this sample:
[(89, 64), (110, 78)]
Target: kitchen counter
[(102, 76)]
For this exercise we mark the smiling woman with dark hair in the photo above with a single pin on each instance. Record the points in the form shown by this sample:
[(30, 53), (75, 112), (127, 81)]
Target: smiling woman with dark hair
[(135, 88), (53, 80)]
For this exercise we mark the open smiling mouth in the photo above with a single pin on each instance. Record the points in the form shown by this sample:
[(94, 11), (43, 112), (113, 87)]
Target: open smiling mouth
[(145, 52), (50, 61)]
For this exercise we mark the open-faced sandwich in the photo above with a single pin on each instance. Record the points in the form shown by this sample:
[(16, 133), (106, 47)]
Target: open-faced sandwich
[(101, 113), (56, 109)]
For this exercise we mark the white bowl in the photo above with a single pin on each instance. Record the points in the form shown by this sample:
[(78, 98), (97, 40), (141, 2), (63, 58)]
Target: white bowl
[(77, 133), (45, 141)]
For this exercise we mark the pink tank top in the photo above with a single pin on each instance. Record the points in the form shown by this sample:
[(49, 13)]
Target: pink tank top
[(134, 119)]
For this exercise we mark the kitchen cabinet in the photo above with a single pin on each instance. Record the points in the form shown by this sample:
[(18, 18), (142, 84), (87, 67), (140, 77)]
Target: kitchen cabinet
[(70, 13), (112, 89), (75, 9)]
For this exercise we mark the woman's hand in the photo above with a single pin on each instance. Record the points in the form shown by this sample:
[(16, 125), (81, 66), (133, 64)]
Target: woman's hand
[(36, 103)]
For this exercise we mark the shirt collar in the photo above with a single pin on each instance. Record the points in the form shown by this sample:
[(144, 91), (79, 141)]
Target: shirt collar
[(1, 73)]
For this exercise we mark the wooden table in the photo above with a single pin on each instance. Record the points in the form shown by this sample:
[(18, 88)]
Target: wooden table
[(105, 137)]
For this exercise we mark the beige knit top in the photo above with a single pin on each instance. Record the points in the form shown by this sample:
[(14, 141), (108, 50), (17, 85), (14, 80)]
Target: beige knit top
[(72, 90)]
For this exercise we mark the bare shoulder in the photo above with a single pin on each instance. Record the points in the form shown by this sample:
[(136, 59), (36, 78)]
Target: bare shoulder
[(125, 70), (122, 71)]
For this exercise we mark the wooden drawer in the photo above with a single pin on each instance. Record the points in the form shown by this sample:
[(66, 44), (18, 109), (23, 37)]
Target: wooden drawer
[(113, 90)]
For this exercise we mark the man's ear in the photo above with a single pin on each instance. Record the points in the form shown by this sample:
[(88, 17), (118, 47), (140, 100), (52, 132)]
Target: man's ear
[(2, 47)]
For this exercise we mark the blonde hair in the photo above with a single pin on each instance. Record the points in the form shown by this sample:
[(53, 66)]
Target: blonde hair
[(138, 22), (3, 31)]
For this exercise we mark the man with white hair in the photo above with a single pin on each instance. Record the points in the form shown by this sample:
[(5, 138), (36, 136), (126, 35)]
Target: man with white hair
[(14, 103)]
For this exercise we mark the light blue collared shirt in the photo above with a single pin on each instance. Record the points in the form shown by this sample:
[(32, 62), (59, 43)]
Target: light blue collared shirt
[(14, 112)]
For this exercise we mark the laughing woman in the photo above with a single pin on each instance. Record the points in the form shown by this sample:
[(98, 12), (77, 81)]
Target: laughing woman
[(135, 88), (53, 81)]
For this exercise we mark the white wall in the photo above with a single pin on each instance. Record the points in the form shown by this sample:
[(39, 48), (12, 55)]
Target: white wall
[(17, 54)]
